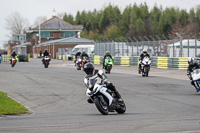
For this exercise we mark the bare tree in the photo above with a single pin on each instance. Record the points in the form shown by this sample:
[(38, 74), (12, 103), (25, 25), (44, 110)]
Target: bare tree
[(60, 15), (16, 23), (39, 20)]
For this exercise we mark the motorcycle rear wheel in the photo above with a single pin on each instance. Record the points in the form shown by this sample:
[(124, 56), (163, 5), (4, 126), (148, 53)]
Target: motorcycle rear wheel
[(122, 108)]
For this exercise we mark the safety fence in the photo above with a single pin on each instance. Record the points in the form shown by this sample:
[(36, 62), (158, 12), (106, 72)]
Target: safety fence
[(156, 62), (20, 58)]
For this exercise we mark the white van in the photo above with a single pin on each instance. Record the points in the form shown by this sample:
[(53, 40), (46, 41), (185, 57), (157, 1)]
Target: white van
[(89, 49)]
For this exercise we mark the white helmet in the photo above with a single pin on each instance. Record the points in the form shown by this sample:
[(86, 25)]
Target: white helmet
[(190, 60)]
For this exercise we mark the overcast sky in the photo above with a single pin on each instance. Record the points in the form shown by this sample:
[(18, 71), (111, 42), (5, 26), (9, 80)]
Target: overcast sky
[(31, 9)]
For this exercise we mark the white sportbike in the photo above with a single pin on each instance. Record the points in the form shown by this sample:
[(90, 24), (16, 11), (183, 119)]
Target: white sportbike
[(104, 98)]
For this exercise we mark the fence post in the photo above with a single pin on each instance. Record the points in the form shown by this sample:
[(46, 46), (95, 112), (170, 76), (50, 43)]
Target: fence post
[(118, 45), (181, 45), (142, 42), (137, 45), (166, 44), (122, 46), (127, 46), (153, 44), (173, 44), (160, 44), (188, 44), (132, 44), (195, 44), (148, 41)]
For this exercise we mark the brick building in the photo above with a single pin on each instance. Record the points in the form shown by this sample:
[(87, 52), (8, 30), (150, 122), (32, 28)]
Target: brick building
[(54, 34), (69, 42)]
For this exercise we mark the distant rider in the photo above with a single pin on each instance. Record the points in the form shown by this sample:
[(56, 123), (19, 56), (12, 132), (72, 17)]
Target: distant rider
[(84, 54), (144, 54), (98, 77), (77, 54), (12, 56), (191, 67), (107, 55), (46, 53)]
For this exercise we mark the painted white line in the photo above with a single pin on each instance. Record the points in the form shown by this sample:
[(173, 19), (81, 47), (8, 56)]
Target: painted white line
[(197, 131)]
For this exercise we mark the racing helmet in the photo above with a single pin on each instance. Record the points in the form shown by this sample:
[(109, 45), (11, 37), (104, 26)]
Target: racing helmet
[(89, 68), (190, 60), (83, 51), (107, 52), (145, 51), (45, 50)]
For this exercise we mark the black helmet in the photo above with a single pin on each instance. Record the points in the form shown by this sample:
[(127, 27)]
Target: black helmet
[(45, 50), (89, 68)]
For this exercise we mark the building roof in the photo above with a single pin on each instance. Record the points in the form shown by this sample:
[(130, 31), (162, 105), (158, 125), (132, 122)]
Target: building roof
[(69, 40), (185, 43), (22, 45), (56, 23)]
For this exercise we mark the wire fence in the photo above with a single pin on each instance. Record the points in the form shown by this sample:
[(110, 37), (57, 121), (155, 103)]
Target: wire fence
[(185, 45)]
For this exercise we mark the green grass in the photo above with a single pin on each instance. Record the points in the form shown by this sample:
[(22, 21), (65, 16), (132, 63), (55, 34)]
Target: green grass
[(9, 107)]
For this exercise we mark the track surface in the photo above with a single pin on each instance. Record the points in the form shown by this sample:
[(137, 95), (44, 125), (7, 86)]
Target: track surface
[(165, 102)]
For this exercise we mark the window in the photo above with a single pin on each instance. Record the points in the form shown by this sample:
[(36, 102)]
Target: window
[(51, 34), (62, 34), (44, 34)]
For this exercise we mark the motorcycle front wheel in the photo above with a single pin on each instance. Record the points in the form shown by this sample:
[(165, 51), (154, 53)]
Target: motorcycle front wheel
[(146, 71), (101, 106)]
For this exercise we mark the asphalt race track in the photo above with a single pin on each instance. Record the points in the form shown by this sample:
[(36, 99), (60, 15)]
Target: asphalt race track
[(164, 102)]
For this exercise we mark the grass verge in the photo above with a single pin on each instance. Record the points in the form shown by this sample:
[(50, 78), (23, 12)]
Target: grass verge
[(10, 107)]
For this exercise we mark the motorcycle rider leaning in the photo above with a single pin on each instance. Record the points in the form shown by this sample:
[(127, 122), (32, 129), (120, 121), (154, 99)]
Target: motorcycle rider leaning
[(107, 55), (144, 54), (192, 66), (99, 77), (84, 54)]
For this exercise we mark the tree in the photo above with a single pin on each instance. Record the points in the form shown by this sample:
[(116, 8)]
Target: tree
[(68, 18), (16, 23), (39, 20), (113, 32), (140, 28), (78, 18)]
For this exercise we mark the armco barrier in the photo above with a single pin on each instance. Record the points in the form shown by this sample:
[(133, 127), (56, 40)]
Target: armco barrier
[(162, 62), (158, 62), (153, 61), (125, 61), (173, 63), (117, 60), (182, 63), (97, 60)]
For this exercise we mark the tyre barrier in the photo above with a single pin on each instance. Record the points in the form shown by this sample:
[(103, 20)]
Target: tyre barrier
[(182, 63), (20, 58), (125, 61), (97, 60), (162, 62), (156, 62)]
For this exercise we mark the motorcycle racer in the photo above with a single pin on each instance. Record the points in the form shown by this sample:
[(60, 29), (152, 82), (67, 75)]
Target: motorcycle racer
[(97, 76)]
